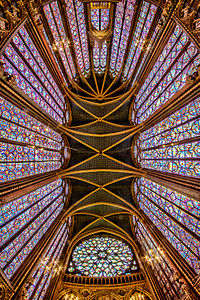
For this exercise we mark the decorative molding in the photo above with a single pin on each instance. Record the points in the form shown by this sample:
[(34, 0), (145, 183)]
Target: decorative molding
[(6, 290)]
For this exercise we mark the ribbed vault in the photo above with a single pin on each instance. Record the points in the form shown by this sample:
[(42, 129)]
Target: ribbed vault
[(101, 169)]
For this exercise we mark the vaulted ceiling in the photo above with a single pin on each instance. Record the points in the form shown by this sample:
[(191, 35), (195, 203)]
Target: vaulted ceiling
[(98, 48), (101, 169)]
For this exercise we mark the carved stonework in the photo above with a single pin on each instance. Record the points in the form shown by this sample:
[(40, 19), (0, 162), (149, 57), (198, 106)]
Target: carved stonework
[(165, 14), (6, 291), (189, 16), (11, 19), (194, 76), (123, 292), (3, 27)]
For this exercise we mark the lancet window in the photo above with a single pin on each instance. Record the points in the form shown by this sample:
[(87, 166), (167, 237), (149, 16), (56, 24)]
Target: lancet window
[(61, 41), (76, 18), (22, 60), (28, 147), (25, 221), (48, 265), (155, 257), (175, 215), (169, 74), (172, 145), (145, 19), (123, 19)]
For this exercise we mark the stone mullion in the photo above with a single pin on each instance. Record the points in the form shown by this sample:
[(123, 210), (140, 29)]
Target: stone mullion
[(49, 262), (109, 44), (35, 74), (170, 202), (184, 96), (189, 186), (62, 5), (138, 6), (12, 189), (167, 144), (87, 20), (172, 128), (17, 97), (150, 276), (16, 276), (42, 47), (8, 141), (155, 52), (175, 260), (30, 264), (174, 220), (184, 49), (51, 40), (152, 270), (24, 227), (148, 39), (22, 190), (27, 208), (120, 36)]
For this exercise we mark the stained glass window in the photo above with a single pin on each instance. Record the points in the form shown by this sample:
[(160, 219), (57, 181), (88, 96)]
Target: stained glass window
[(54, 19), (48, 265), (175, 215), (32, 76), (102, 256), (99, 57), (100, 18), (168, 75), (24, 221), (123, 19), (27, 146), (76, 17), (151, 43), (146, 16), (155, 257), (173, 144)]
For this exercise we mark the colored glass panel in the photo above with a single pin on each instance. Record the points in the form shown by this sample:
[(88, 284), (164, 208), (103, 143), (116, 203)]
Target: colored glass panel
[(76, 17), (145, 19), (167, 147), (123, 19), (22, 240), (155, 257), (46, 268), (52, 52), (54, 19), (172, 213), (22, 59), (29, 52), (152, 41), (102, 256), (16, 214), (168, 75), (100, 57), (27, 146), (100, 18)]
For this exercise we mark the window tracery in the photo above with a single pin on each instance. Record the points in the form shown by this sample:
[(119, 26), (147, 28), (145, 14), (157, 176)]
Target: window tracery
[(25, 221), (61, 42), (175, 215), (172, 145), (145, 19), (155, 257), (48, 265), (28, 147), (23, 61), (75, 13), (102, 256), (178, 59), (123, 18)]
